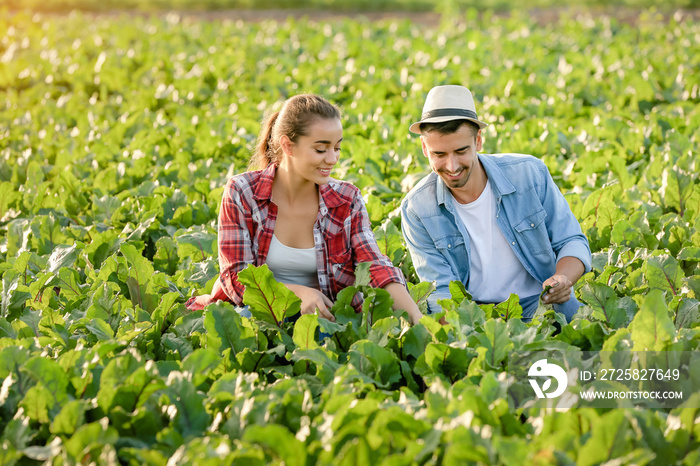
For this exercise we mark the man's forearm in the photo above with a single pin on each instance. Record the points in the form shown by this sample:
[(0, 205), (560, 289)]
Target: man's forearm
[(571, 267)]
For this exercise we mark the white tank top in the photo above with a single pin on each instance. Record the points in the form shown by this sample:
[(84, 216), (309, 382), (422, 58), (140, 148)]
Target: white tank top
[(292, 266), (495, 270)]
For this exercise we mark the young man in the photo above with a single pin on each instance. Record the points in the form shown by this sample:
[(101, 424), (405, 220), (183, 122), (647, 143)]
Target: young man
[(496, 223)]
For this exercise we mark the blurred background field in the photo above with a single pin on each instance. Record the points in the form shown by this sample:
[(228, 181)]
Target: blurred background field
[(334, 5)]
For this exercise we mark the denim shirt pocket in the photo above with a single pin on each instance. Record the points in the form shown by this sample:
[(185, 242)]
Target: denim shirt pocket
[(454, 250), (532, 231)]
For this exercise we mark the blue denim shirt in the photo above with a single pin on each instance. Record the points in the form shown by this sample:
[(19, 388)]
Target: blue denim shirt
[(531, 212)]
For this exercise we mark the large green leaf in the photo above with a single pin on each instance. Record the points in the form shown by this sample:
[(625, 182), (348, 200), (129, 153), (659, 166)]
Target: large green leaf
[(376, 362), (278, 442), (605, 303), (445, 360), (496, 341), (269, 300), (664, 273), (14, 294), (305, 331), (611, 437), (227, 330), (652, 328)]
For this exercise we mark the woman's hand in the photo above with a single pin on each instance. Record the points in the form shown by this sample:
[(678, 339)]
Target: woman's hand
[(197, 303), (312, 300), (402, 300)]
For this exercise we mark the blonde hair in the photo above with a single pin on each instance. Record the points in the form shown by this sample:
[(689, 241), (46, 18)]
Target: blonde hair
[(292, 120)]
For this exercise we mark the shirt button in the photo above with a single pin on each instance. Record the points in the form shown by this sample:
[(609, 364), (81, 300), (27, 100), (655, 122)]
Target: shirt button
[(513, 243), (449, 246), (532, 225)]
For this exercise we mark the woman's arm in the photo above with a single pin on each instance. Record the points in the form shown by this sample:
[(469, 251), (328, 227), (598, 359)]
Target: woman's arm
[(402, 300), (234, 246)]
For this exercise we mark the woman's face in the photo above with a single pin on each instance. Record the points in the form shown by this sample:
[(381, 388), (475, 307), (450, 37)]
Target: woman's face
[(313, 156)]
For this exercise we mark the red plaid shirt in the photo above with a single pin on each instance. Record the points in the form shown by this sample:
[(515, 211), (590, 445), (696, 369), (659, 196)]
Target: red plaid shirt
[(342, 235)]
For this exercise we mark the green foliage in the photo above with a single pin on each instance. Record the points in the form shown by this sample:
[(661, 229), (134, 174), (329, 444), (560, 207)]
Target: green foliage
[(118, 136)]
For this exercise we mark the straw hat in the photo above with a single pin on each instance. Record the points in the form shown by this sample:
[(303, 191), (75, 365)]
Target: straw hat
[(446, 103)]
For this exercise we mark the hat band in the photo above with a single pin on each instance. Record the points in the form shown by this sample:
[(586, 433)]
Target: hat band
[(455, 112)]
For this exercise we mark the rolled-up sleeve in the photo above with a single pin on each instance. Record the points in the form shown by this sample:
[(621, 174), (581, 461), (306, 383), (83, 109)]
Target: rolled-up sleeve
[(365, 248), (234, 240), (563, 228), (430, 265)]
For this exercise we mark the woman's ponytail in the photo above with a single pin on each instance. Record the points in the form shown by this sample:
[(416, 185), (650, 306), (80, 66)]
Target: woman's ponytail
[(265, 151)]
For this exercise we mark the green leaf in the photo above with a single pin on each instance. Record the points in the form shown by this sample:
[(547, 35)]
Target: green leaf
[(32, 318), (419, 294), (496, 341), (14, 294), (442, 359), (140, 273), (688, 313), (166, 257), (71, 417), (18, 232), (269, 301), (8, 198), (200, 364), (663, 273), (376, 362), (377, 305), (18, 434), (510, 308), (93, 437), (689, 253), (652, 328), (36, 403), (189, 415), (278, 443), (63, 255), (458, 292), (362, 274), (6, 330), (326, 361), (226, 329), (196, 243), (605, 304), (100, 329), (610, 439), (415, 340), (305, 331), (50, 375), (677, 187), (390, 241)]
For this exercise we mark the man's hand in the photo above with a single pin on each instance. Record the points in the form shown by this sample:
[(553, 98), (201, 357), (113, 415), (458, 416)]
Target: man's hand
[(560, 290), (569, 270), (313, 300)]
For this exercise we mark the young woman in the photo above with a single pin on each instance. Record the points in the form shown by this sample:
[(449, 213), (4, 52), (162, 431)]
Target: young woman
[(310, 229)]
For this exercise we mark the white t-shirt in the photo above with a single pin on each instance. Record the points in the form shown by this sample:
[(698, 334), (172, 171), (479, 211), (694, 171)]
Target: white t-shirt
[(292, 266), (495, 271)]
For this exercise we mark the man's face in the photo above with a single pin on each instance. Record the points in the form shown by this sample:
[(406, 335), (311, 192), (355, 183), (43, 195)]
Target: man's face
[(453, 156)]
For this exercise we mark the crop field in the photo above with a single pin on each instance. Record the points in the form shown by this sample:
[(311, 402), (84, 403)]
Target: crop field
[(117, 135)]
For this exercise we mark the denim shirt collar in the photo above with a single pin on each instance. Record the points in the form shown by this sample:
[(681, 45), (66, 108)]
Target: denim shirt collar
[(500, 184)]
